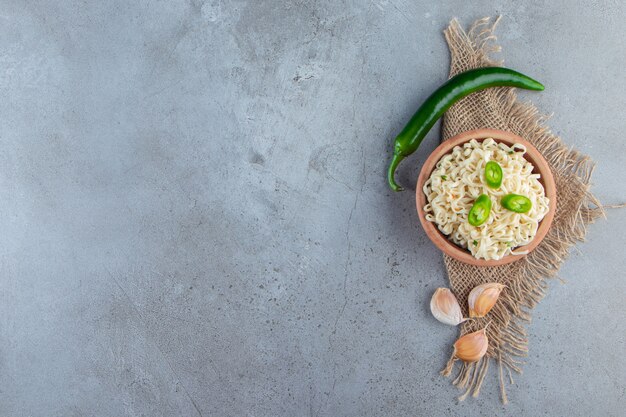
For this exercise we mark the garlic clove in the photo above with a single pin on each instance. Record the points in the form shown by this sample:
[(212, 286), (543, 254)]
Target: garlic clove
[(445, 307), (482, 298), (472, 346)]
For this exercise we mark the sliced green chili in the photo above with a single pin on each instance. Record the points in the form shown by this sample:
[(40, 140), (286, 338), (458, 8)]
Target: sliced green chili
[(493, 174), (517, 203), (442, 99), (479, 213)]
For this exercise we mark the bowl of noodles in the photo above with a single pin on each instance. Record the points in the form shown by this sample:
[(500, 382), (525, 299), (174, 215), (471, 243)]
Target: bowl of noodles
[(455, 175)]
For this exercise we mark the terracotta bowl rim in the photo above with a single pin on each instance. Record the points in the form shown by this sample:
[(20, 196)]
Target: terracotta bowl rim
[(532, 155)]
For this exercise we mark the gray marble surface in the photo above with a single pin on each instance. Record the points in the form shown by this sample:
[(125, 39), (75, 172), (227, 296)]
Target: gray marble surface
[(195, 218)]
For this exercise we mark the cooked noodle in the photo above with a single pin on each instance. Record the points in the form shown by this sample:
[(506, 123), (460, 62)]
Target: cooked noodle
[(458, 179)]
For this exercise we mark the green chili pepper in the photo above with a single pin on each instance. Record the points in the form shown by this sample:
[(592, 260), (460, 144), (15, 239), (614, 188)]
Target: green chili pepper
[(515, 202), (442, 99), (493, 174), (479, 213)]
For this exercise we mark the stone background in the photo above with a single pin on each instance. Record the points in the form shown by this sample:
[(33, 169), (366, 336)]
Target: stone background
[(195, 217)]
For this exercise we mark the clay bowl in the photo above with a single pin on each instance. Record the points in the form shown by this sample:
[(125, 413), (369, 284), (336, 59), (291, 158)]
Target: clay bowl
[(532, 155)]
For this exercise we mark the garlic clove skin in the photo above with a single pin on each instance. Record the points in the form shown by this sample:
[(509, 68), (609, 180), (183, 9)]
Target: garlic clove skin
[(482, 298), (445, 307), (472, 346)]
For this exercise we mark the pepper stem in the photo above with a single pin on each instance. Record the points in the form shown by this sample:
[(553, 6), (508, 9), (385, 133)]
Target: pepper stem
[(392, 170)]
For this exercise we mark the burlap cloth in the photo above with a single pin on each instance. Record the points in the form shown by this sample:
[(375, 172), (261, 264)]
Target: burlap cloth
[(525, 279)]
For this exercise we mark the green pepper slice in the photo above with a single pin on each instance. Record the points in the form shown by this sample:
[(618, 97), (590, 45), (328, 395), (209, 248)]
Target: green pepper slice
[(493, 174), (479, 213), (517, 203)]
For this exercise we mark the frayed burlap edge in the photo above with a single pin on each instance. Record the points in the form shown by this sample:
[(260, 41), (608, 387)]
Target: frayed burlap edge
[(525, 279)]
